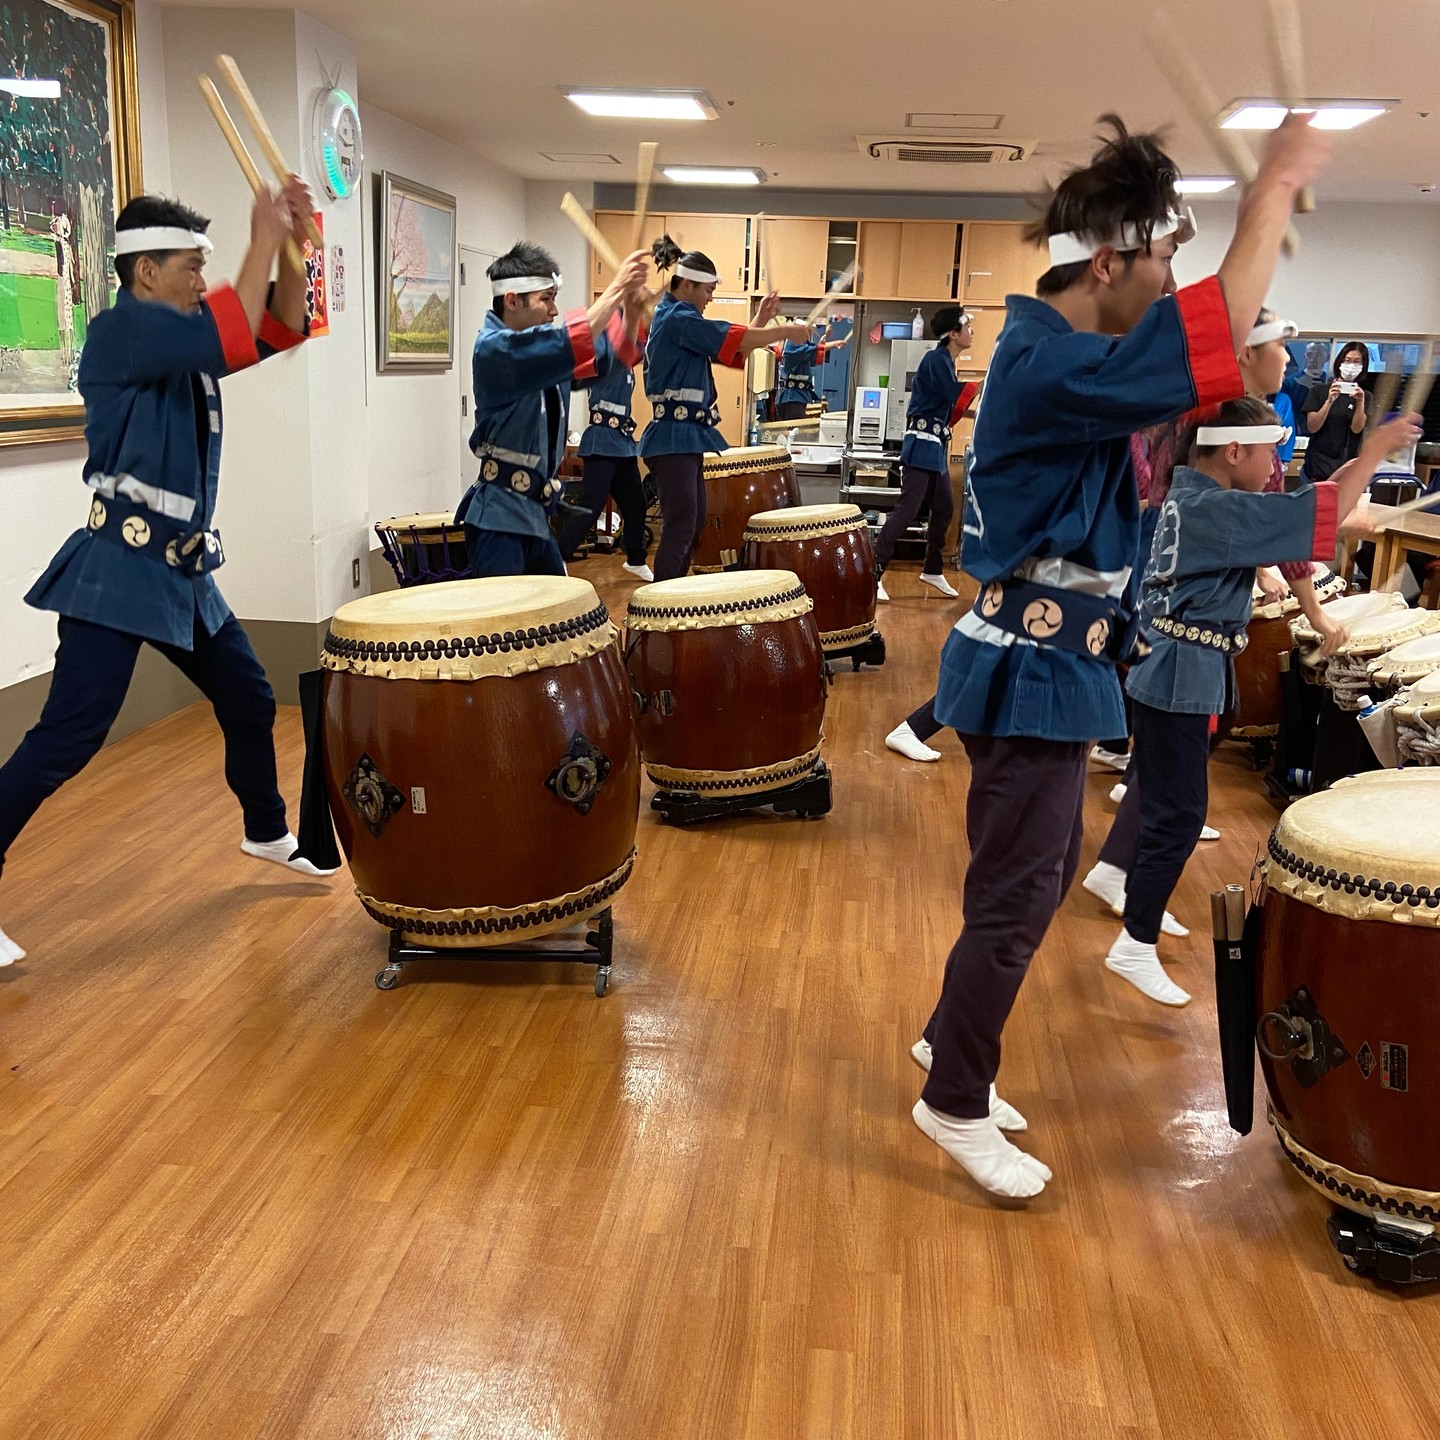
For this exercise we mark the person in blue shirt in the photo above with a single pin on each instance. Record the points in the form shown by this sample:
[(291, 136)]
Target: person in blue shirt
[(1219, 521), (681, 387), (1028, 678), (937, 401), (523, 367), (795, 373), (141, 571), (612, 471)]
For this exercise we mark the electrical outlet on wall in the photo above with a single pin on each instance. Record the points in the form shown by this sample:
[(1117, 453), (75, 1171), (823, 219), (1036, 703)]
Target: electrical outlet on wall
[(355, 573)]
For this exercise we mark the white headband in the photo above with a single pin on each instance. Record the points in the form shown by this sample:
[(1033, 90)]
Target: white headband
[(700, 277), (524, 285), (1242, 434), (160, 237), (1071, 249), (1273, 330)]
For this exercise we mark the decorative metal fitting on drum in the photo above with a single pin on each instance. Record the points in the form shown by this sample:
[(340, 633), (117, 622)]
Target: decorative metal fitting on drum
[(1304, 1039), (579, 774), (371, 796)]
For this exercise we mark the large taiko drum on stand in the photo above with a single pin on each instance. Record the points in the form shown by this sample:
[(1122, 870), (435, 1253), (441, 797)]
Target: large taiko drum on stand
[(1348, 610), (423, 549), (740, 483), (1417, 723), (1257, 666), (1349, 953), (733, 682), (481, 757)]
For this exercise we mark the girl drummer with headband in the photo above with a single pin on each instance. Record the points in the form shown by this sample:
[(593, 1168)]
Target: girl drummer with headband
[(795, 372), (681, 387), (1217, 524)]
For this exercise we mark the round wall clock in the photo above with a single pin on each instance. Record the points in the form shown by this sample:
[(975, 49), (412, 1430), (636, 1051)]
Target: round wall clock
[(338, 151)]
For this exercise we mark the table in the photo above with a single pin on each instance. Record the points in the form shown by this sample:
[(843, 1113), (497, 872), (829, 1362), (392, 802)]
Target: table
[(1419, 530)]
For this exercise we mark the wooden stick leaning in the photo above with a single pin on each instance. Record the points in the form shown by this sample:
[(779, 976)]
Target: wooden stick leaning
[(643, 176), (231, 71), (1289, 50), (1178, 66), (242, 157)]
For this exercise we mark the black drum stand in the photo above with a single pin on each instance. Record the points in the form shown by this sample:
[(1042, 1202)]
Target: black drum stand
[(596, 949), (804, 798), (870, 651), (1389, 1250)]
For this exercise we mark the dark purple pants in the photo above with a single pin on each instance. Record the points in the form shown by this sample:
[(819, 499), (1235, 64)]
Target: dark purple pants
[(916, 487), (680, 482), (923, 722), (1024, 821)]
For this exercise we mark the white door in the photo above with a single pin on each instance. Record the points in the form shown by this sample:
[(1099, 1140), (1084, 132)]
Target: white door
[(474, 302)]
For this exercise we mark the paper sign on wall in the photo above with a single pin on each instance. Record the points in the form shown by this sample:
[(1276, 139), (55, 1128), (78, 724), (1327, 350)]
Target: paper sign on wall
[(337, 279), (317, 293)]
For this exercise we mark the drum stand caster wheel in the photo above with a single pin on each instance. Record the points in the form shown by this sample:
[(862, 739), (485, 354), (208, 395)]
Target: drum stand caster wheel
[(870, 651), (387, 978), (602, 981), (1392, 1249)]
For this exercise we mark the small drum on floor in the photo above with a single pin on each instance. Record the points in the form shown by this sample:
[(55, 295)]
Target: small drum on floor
[(1257, 666), (828, 547), (481, 757), (1349, 948), (732, 678), (1417, 722), (422, 549), (739, 483)]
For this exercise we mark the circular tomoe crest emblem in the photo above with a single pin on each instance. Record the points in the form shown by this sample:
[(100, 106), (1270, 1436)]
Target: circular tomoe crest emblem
[(1041, 619), (1098, 636), (991, 599)]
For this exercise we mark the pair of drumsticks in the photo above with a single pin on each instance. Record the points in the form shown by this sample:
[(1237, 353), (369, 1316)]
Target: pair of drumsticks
[(248, 107)]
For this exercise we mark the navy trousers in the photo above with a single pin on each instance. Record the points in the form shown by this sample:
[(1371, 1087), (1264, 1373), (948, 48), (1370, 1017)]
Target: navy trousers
[(606, 476), (93, 667), (498, 552), (918, 486), (680, 481)]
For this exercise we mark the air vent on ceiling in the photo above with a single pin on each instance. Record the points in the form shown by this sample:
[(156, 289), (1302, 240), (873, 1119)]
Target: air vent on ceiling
[(578, 157), (943, 150), (947, 121)]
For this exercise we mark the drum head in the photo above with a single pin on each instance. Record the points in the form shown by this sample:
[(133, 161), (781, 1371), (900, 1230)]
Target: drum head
[(1375, 634), (802, 521), (746, 457), (1422, 699), (1364, 848), (428, 526), (1409, 662), (1349, 608), (733, 597)]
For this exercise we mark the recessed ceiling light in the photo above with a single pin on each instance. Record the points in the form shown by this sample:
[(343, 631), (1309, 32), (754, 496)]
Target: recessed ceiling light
[(1203, 185), (713, 174), (643, 104), (32, 89), (1324, 114), (579, 157)]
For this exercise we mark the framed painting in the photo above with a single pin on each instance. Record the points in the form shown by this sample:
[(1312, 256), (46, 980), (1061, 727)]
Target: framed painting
[(416, 319), (69, 161)]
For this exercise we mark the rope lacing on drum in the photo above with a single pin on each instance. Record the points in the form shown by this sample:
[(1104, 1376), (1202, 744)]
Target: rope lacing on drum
[(458, 646), (801, 529), (724, 607)]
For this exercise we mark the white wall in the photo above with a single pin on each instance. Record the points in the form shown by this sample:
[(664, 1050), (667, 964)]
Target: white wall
[(1360, 269), (546, 225)]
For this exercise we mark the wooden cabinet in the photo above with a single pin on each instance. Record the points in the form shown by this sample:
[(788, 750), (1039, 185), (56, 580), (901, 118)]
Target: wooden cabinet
[(616, 226), (724, 238), (879, 256), (731, 390), (908, 259), (794, 255), (998, 262), (986, 327)]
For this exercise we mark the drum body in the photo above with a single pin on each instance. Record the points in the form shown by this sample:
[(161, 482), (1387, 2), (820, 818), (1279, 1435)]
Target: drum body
[(828, 547), (481, 757), (1417, 722), (732, 675), (1348, 610), (1349, 950), (740, 483), (1257, 666), (422, 549)]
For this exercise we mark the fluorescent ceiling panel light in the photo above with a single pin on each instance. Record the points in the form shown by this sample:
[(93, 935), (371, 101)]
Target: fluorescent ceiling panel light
[(32, 89), (1203, 186), (643, 104), (712, 175), (1324, 114)]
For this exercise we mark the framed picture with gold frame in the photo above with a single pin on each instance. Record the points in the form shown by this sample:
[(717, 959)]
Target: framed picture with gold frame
[(69, 161)]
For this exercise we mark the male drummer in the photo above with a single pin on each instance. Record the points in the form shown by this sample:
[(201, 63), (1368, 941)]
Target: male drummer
[(141, 571), (524, 367)]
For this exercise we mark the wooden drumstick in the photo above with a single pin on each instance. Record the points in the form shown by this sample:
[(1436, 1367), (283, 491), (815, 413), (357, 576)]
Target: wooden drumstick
[(1179, 67), (574, 212), (1289, 48), (242, 157), (1417, 392), (231, 71), (843, 282), (1382, 400), (643, 175), (1421, 502)]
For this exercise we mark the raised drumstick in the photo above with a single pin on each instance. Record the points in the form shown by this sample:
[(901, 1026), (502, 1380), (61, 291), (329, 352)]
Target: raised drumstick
[(1289, 49), (574, 212), (231, 71), (1382, 400), (242, 157), (643, 175), (1417, 392), (842, 284)]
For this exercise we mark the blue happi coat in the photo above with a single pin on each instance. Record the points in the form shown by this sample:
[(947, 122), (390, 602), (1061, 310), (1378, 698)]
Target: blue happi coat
[(795, 373), (611, 430), (148, 375), (935, 405), (679, 382)]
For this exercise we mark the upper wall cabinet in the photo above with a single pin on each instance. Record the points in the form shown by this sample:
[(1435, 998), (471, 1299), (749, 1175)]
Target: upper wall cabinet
[(998, 262), (724, 238), (908, 259)]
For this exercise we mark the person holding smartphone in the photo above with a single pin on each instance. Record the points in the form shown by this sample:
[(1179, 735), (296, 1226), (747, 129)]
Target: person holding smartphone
[(1335, 414)]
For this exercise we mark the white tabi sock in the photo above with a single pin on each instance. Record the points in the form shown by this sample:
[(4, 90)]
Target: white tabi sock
[(284, 851), (979, 1148), (1139, 963), (904, 741), (10, 952), (880, 591), (1107, 883), (1005, 1115)]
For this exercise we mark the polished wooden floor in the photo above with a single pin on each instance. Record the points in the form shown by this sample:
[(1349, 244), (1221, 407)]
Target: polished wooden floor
[(243, 1193)]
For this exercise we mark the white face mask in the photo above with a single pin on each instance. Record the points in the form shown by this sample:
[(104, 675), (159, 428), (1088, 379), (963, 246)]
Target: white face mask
[(1349, 372)]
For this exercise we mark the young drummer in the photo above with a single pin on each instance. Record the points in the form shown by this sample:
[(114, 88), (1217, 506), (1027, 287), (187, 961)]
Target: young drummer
[(1214, 529), (524, 367), (795, 374), (609, 452), (141, 572), (1028, 678), (937, 401), (680, 384)]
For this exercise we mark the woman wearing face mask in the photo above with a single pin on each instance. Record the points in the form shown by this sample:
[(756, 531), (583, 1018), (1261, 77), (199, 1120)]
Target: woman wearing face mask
[(1335, 414)]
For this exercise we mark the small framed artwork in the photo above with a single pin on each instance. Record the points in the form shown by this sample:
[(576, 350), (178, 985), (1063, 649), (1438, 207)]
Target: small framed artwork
[(416, 244), (69, 162)]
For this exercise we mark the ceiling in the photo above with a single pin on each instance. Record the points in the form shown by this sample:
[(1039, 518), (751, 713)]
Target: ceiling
[(795, 84)]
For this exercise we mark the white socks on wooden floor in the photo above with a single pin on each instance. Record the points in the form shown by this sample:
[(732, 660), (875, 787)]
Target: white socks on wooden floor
[(904, 741), (940, 583), (10, 952), (979, 1148), (640, 572), (1005, 1115), (284, 851), (1107, 883), (880, 591), (1137, 962)]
